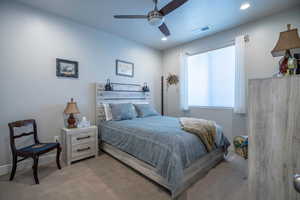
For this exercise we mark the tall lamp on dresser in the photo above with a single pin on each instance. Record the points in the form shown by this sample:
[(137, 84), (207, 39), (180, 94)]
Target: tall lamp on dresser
[(287, 45)]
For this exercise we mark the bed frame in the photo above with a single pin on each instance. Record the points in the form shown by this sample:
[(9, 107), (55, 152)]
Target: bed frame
[(125, 93)]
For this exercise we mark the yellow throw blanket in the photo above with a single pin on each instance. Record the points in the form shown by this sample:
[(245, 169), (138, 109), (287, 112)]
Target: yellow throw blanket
[(204, 129)]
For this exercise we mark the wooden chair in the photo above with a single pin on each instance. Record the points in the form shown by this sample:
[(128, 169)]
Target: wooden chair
[(33, 151)]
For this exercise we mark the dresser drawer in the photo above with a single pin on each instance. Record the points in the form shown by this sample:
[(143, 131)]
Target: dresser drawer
[(83, 138), (83, 149)]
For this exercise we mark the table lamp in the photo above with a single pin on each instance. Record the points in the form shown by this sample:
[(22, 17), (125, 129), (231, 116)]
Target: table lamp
[(71, 109), (287, 45)]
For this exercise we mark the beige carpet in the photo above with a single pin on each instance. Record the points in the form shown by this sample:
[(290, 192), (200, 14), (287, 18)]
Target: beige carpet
[(107, 179)]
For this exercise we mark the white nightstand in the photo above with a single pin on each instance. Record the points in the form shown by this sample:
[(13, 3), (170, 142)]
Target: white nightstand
[(79, 143)]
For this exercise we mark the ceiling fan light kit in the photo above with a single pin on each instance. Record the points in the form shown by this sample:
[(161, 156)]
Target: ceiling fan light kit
[(156, 17), (245, 6)]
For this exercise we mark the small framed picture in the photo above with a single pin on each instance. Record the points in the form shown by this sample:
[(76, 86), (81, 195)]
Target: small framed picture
[(124, 68), (66, 68)]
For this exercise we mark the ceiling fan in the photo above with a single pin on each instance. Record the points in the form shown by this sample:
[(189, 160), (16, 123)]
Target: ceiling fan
[(156, 17)]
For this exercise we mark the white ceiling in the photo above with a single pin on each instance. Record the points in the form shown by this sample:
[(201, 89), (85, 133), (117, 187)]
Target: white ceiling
[(184, 23)]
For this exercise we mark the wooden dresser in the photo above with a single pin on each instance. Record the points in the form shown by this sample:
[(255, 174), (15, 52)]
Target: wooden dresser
[(274, 138)]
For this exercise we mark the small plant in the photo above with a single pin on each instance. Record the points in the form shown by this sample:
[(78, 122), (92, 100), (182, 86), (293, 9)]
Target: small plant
[(172, 79)]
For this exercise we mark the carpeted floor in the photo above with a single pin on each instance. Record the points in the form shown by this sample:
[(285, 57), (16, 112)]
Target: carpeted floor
[(106, 178)]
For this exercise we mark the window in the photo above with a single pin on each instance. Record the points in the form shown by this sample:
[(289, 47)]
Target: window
[(211, 78)]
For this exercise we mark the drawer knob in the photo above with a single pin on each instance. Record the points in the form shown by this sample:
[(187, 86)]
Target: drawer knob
[(297, 182), (84, 149), (83, 138)]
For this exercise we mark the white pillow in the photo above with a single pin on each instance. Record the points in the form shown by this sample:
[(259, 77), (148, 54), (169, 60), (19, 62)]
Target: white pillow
[(107, 112)]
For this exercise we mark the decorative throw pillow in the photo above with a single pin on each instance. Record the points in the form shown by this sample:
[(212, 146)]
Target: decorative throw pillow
[(145, 110), (107, 112), (122, 111)]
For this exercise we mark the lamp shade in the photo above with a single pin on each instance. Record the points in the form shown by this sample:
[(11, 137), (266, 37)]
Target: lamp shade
[(71, 108), (288, 40)]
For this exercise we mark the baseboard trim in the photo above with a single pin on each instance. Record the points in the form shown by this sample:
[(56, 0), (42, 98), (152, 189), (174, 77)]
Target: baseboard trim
[(27, 164)]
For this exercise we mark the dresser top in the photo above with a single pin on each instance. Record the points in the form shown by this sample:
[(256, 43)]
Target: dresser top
[(278, 78)]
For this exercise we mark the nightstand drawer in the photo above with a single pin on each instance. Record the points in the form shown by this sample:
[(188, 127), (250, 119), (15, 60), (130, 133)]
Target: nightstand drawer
[(83, 138), (83, 149)]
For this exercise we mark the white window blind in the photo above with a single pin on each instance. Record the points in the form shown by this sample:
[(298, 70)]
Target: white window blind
[(211, 78)]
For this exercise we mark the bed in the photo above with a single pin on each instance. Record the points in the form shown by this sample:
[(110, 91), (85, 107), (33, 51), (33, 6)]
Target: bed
[(155, 146)]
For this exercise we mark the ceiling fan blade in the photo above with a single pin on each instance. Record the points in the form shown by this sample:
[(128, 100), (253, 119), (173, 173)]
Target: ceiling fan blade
[(131, 16), (164, 29), (172, 6)]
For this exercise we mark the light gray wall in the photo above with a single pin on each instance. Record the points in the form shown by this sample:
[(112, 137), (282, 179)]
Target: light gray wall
[(259, 63), (31, 40)]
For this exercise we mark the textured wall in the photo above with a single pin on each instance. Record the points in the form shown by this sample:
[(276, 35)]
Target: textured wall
[(31, 40)]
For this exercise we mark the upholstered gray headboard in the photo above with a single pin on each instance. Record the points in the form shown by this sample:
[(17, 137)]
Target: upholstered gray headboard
[(122, 93)]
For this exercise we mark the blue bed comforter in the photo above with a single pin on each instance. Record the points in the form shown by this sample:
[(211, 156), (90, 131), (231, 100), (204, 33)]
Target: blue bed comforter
[(160, 142)]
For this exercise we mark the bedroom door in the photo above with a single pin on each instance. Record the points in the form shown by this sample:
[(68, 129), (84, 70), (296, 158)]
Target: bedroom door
[(274, 138)]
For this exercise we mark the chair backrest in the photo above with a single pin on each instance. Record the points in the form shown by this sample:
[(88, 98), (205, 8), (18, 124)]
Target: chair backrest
[(19, 125)]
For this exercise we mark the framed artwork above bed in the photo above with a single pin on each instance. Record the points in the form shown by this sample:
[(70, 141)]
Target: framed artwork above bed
[(124, 68)]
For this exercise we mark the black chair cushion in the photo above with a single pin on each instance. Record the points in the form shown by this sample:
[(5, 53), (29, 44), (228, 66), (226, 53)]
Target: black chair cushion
[(36, 148)]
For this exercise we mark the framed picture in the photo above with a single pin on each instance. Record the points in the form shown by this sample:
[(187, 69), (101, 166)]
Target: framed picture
[(124, 68), (66, 68)]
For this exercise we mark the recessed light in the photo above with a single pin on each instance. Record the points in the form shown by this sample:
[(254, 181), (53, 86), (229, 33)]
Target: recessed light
[(245, 6), (164, 39)]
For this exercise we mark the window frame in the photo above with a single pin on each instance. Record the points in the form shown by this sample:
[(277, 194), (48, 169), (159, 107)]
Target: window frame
[(229, 44), (212, 107)]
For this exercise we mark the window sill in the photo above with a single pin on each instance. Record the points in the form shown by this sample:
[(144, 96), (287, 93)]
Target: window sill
[(212, 107)]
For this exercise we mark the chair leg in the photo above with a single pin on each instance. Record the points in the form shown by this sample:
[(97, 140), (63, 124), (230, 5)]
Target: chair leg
[(58, 157), (14, 167), (35, 169)]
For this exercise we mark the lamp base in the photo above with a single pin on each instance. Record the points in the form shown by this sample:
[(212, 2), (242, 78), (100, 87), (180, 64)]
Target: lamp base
[(283, 63), (288, 64), (71, 121)]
